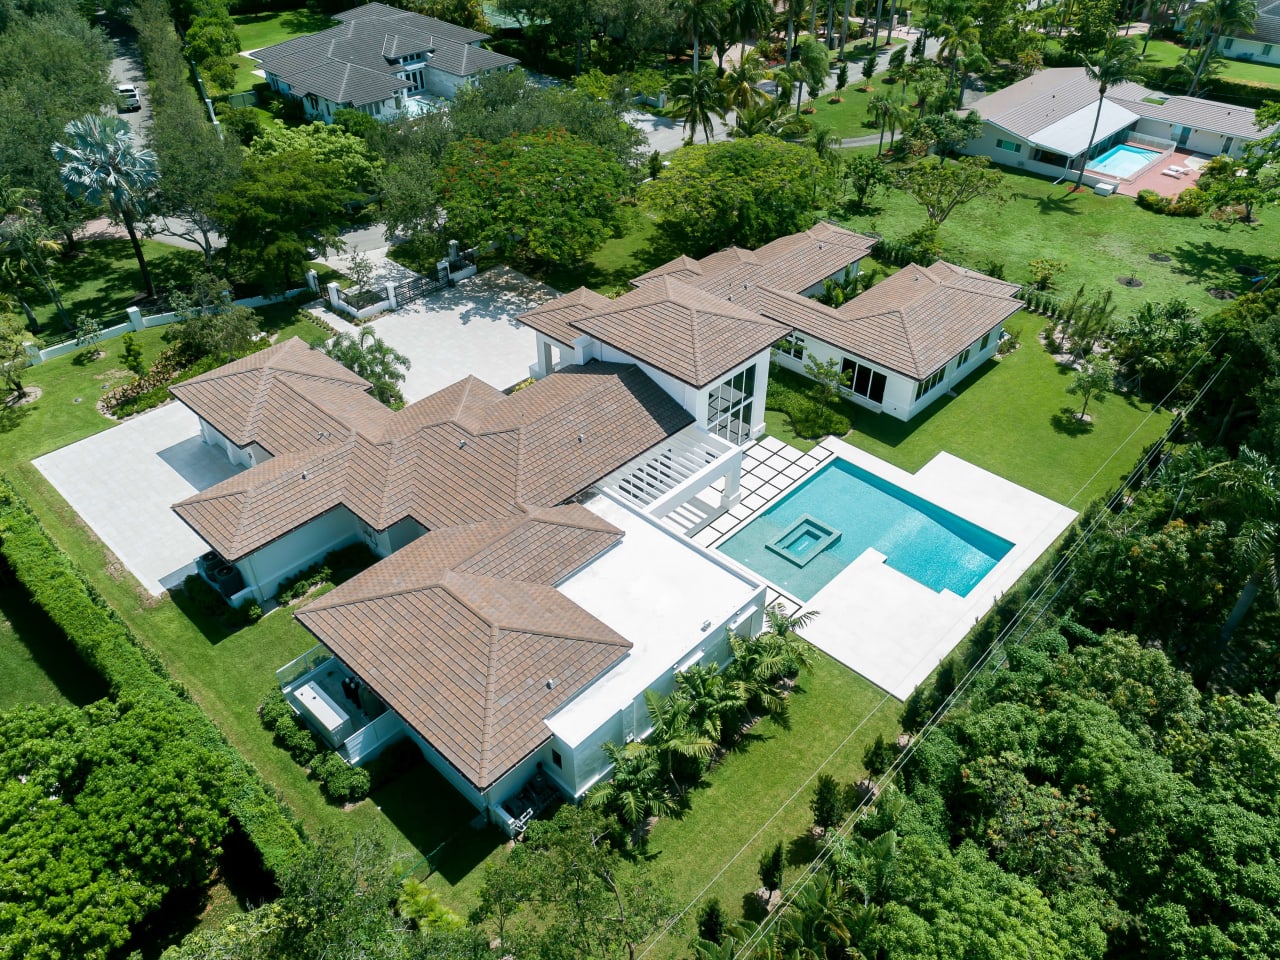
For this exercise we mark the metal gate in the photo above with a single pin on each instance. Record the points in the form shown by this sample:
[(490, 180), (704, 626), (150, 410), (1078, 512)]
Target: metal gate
[(421, 286)]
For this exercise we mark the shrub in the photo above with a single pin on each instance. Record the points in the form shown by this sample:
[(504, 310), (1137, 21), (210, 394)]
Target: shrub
[(131, 356), (340, 781), (303, 582), (828, 803), (770, 869), (1008, 343), (1150, 200), (879, 756), (1191, 202), (809, 418)]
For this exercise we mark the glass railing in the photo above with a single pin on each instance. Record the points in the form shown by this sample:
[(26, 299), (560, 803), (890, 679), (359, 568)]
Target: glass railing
[(295, 670)]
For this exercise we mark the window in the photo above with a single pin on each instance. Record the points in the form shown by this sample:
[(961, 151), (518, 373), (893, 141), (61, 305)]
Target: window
[(1009, 145), (1266, 49), (729, 406), (964, 357), (1228, 43), (556, 758), (929, 385), (864, 381), (986, 338), (793, 346)]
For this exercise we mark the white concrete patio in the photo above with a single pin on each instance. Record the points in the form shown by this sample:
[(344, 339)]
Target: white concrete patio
[(467, 329), (122, 482), (880, 622)]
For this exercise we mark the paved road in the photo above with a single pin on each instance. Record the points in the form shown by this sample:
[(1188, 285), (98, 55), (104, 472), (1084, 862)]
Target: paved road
[(126, 67)]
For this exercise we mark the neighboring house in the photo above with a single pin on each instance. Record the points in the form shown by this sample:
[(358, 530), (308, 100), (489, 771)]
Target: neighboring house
[(1261, 44), (1043, 124), (379, 60), (519, 614), (703, 329)]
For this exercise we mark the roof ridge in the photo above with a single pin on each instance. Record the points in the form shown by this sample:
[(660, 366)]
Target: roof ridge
[(490, 684)]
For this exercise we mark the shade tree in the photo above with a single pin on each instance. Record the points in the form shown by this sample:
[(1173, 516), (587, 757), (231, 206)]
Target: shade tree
[(940, 186)]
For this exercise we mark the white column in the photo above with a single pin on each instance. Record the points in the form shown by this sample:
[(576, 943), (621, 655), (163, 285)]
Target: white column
[(732, 492), (333, 295), (391, 295)]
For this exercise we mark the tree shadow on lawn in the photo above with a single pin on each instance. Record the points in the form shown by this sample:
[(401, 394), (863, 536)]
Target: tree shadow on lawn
[(1066, 423), (1051, 205), (802, 849), (306, 21), (1213, 264)]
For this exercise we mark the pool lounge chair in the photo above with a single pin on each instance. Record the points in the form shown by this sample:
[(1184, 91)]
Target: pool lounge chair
[(1175, 172)]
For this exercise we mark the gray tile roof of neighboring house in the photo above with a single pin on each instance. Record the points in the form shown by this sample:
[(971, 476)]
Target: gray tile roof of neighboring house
[(463, 634), (1029, 106), (356, 61), (464, 454), (683, 331), (1266, 28), (913, 322), (1194, 112)]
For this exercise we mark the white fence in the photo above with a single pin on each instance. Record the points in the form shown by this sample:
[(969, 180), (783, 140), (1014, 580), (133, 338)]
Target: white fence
[(135, 321)]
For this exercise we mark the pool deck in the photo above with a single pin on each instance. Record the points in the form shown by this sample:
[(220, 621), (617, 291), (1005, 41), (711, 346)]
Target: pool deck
[(1155, 180), (877, 621)]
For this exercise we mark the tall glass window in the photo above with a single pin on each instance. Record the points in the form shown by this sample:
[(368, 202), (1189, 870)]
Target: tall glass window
[(729, 406), (863, 381)]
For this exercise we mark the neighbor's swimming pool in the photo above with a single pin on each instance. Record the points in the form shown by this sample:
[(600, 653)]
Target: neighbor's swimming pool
[(1123, 161), (814, 532)]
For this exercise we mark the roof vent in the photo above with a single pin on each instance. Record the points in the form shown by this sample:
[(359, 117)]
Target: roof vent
[(706, 624), (551, 683), (462, 443), (304, 474), (582, 437)]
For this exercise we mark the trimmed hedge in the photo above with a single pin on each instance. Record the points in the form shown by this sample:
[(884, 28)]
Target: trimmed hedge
[(810, 418), (340, 782), (134, 672)]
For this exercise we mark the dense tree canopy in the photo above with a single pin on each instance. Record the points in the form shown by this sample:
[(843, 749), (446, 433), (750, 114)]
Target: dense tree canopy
[(102, 811), (744, 192), (544, 198)]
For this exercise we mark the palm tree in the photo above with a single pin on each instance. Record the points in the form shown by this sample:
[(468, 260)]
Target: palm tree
[(370, 357), (817, 921), (879, 106), (739, 84), (699, 19), (696, 99), (714, 703), (673, 736), (1251, 485), (1214, 18), (781, 628), (102, 163), (810, 69), (635, 792), (24, 244), (844, 27), (794, 11), (748, 18), (1115, 63), (958, 39)]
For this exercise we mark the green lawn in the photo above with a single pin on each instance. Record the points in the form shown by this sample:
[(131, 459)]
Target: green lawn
[(1099, 238), (38, 665), (1008, 417), (849, 118), (760, 795), (1165, 54), (258, 30), (102, 278), (609, 270)]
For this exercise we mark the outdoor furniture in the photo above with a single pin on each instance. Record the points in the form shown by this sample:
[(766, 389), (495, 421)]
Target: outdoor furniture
[(1175, 172), (1179, 170)]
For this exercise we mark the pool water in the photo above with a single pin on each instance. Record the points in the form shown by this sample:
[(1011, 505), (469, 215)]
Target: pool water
[(919, 539), (1123, 161)]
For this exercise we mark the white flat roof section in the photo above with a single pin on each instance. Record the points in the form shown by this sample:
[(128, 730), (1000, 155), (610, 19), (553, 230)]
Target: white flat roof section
[(122, 481), (1070, 135), (657, 590), (893, 630)]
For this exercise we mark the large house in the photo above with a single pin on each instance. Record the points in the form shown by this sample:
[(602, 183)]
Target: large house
[(379, 60), (1043, 124), (533, 582), (704, 328)]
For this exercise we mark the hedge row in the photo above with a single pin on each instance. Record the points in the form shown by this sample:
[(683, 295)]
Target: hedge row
[(134, 672), (341, 782)]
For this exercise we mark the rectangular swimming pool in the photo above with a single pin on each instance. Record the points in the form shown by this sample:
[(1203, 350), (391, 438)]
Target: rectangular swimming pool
[(805, 539), (1123, 161)]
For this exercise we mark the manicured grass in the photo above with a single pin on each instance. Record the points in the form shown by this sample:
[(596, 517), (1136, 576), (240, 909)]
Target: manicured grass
[(258, 30), (103, 278), (1099, 238), (610, 269), (760, 795), (37, 664), (1012, 417), (1165, 54), (848, 119)]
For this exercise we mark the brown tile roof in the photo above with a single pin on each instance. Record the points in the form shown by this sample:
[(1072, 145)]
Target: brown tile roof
[(555, 317), (464, 454), (285, 397), (913, 322), (463, 634), (693, 335)]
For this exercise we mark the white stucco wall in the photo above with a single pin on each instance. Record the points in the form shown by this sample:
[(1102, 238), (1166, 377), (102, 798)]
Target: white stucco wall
[(266, 567), (1251, 50), (1199, 141)]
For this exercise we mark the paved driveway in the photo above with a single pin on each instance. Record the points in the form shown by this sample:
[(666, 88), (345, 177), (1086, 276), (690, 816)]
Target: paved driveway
[(123, 480), (467, 329)]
